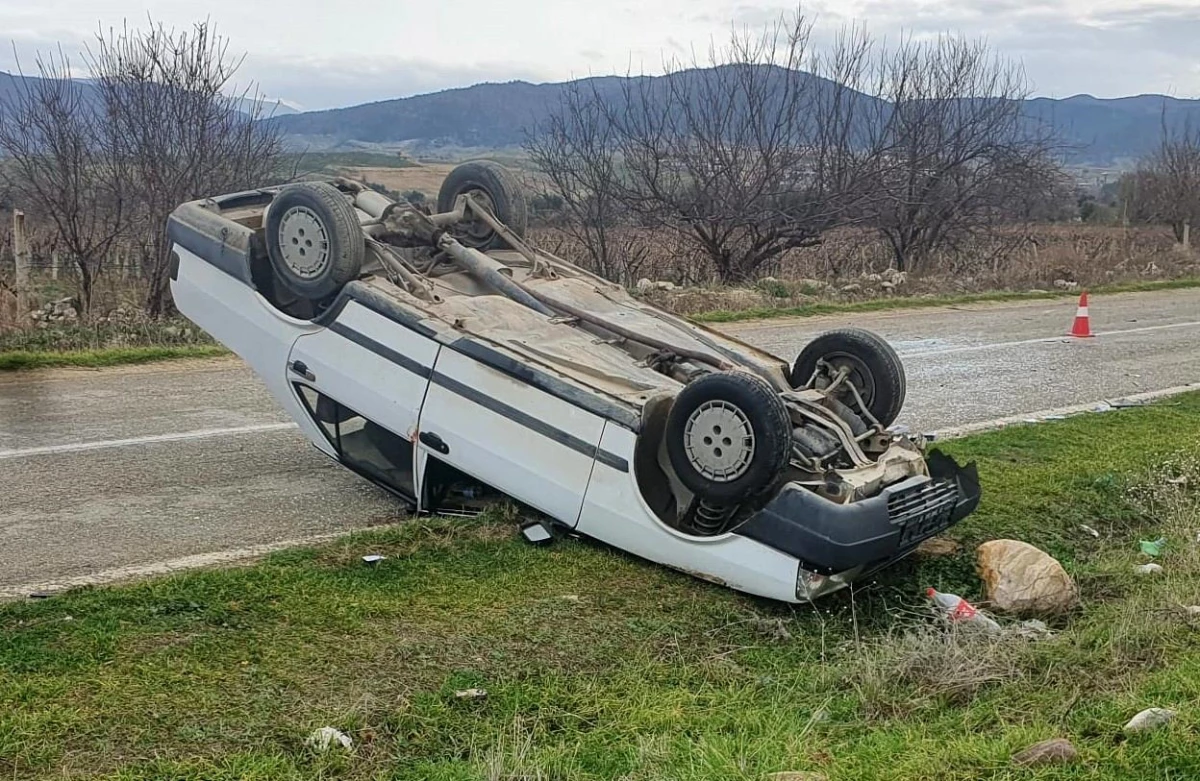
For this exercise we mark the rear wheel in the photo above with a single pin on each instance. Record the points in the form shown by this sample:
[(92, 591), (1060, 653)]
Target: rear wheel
[(728, 436), (872, 366), (496, 189), (314, 239)]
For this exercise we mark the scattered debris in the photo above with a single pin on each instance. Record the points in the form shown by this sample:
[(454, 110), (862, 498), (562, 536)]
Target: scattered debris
[(324, 739), (1193, 611), (798, 775), (1055, 417), (1032, 629), (957, 609), (1178, 480), (1021, 579), (1148, 569), (938, 546), (570, 597), (1150, 719), (373, 559), (471, 694), (536, 533), (1153, 547), (1103, 407), (1126, 404), (773, 628), (1049, 752), (1083, 527), (1031, 420)]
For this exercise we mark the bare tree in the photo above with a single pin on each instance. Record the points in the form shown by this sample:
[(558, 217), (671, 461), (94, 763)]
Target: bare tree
[(576, 150), (186, 129), (59, 168), (739, 156), (1166, 187), (957, 156)]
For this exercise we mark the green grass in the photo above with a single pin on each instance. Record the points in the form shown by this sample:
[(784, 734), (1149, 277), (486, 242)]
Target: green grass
[(17, 360), (600, 666), (316, 161), (883, 304), (104, 344)]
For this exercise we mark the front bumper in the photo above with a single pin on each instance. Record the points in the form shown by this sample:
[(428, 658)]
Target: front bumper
[(830, 538)]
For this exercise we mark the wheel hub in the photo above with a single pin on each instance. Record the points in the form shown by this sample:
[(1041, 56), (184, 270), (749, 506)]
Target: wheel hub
[(857, 374), (303, 242), (719, 441)]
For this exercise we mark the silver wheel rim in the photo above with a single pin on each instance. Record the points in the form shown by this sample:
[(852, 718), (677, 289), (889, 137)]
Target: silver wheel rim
[(719, 441), (303, 242)]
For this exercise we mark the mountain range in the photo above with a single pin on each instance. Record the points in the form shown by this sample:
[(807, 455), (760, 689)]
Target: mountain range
[(1108, 132), (1104, 132)]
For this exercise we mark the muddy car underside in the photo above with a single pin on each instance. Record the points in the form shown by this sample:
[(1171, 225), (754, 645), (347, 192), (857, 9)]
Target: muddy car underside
[(721, 427)]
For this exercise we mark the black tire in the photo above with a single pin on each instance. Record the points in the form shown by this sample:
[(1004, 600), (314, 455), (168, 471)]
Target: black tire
[(692, 430), (876, 370), (500, 191), (314, 266)]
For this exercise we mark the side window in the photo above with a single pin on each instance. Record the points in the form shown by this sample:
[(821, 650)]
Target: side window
[(363, 445)]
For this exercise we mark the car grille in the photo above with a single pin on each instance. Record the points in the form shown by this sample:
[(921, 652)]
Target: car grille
[(922, 510)]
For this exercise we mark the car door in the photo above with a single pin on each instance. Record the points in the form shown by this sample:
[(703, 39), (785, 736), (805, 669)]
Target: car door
[(363, 378), (533, 445)]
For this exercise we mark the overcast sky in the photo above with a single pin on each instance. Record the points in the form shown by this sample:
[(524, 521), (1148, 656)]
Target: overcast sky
[(322, 54)]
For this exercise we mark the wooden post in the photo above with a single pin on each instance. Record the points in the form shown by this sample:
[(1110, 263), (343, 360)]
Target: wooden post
[(54, 263), (1187, 234), (21, 258)]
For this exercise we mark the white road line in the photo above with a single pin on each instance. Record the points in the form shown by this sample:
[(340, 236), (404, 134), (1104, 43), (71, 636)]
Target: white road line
[(205, 433), (197, 561), (1044, 340)]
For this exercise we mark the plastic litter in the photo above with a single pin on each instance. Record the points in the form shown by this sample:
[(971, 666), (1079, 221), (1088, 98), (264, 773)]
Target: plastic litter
[(324, 739), (373, 559), (1151, 718), (1148, 569), (1083, 527), (1153, 547), (960, 610)]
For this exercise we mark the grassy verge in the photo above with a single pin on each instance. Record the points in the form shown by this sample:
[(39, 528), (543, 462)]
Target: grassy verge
[(599, 666), (17, 360), (882, 304)]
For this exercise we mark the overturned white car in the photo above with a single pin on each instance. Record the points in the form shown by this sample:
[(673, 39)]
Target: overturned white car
[(440, 355)]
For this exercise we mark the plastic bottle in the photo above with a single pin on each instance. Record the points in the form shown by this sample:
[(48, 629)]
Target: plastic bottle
[(958, 609)]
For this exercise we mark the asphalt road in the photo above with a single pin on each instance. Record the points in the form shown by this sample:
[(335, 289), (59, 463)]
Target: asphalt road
[(117, 470)]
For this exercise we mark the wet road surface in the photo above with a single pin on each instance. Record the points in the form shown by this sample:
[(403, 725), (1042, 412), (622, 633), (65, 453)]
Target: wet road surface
[(127, 467)]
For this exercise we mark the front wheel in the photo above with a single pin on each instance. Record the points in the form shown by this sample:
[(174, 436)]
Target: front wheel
[(729, 436), (870, 363)]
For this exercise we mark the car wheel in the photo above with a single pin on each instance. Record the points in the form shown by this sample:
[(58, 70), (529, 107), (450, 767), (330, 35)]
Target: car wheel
[(729, 436), (495, 187), (874, 368), (314, 239)]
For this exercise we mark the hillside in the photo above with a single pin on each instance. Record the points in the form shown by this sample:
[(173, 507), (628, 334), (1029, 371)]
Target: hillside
[(1096, 131)]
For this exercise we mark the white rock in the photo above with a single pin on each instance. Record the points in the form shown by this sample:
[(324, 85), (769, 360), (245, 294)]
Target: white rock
[(664, 285), (324, 739), (1151, 718), (644, 284), (1193, 610), (471, 694), (1148, 569)]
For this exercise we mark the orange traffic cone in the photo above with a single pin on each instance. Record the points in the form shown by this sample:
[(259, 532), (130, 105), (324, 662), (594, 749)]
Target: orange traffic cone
[(1082, 326)]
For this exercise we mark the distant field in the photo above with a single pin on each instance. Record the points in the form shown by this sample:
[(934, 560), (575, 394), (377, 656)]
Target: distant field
[(311, 162)]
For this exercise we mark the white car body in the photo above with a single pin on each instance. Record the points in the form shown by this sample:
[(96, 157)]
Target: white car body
[(564, 441)]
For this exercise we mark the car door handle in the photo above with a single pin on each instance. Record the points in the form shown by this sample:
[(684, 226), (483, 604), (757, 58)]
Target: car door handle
[(434, 442), (301, 368)]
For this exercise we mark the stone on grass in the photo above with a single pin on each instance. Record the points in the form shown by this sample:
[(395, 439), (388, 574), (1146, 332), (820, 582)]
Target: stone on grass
[(471, 694), (1148, 569), (1150, 719), (1193, 611), (1048, 752), (1020, 579), (935, 547), (326, 738)]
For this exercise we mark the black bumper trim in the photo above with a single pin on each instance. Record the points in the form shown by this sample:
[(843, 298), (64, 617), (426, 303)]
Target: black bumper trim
[(828, 538)]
